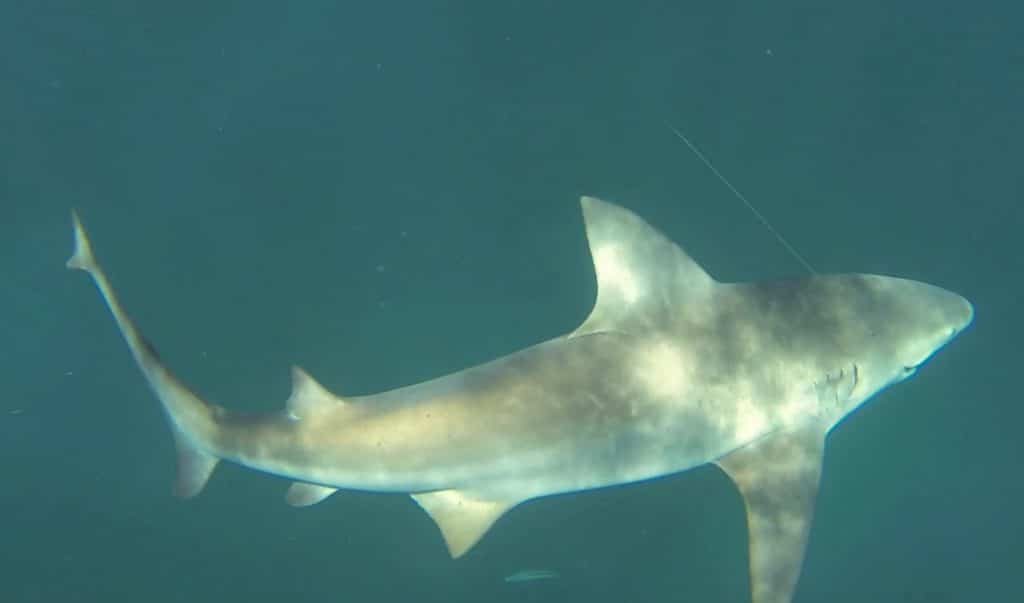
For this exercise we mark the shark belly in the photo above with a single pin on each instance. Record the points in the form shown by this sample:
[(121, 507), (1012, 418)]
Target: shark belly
[(569, 414)]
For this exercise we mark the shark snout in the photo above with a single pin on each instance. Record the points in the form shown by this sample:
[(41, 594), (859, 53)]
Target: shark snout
[(966, 314), (919, 319), (940, 315), (956, 311)]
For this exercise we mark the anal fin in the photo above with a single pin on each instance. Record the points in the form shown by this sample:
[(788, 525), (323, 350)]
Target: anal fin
[(778, 478), (302, 494), (462, 517)]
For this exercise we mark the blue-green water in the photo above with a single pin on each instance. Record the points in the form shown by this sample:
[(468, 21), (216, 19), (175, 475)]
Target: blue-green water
[(385, 194)]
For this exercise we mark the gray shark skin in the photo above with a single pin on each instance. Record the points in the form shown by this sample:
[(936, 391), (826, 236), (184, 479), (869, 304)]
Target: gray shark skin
[(671, 370)]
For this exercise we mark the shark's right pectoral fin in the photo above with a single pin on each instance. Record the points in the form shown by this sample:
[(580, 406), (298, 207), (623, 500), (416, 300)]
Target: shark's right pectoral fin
[(462, 517), (778, 478)]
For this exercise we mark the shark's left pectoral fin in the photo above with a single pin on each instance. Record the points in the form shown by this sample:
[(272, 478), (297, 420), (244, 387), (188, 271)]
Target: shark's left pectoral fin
[(462, 517), (778, 478)]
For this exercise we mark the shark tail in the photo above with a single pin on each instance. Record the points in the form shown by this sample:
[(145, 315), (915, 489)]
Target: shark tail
[(192, 419)]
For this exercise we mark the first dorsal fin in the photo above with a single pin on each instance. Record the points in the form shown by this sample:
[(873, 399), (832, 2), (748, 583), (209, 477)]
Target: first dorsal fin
[(643, 278), (308, 396)]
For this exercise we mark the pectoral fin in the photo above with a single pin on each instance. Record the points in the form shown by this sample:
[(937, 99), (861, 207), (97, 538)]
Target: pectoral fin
[(462, 517), (778, 478)]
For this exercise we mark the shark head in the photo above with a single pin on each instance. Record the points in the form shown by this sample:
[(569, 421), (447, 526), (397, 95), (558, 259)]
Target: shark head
[(894, 326)]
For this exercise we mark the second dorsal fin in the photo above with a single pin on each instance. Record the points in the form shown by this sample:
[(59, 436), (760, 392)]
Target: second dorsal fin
[(308, 396)]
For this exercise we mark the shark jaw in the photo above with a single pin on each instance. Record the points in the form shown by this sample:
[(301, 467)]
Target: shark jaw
[(671, 370)]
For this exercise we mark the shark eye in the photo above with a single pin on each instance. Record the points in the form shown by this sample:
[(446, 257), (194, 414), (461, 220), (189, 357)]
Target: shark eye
[(909, 370)]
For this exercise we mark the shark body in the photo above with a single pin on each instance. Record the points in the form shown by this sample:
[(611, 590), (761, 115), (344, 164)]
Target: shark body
[(671, 370)]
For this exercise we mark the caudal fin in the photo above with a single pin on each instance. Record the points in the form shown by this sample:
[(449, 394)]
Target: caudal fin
[(191, 417), (82, 258)]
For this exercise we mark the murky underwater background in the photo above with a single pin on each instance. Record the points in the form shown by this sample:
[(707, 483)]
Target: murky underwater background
[(384, 194)]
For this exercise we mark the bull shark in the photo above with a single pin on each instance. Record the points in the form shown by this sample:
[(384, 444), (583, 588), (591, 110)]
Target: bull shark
[(671, 370)]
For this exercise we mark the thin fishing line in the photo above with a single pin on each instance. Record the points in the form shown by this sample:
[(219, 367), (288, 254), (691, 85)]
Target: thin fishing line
[(740, 196)]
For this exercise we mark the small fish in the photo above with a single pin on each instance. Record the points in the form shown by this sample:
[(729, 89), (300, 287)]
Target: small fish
[(529, 575)]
